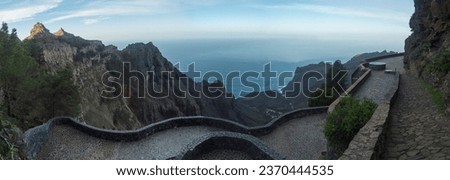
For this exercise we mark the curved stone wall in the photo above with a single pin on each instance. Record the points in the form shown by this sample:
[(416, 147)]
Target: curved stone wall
[(133, 135), (384, 57), (234, 141), (35, 138)]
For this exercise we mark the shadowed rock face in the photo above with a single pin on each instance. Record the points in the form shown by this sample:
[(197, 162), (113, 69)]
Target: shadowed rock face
[(89, 60), (430, 37)]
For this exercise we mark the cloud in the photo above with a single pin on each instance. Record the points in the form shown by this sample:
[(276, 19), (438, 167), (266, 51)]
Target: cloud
[(96, 9), (346, 11), (90, 21), (23, 11)]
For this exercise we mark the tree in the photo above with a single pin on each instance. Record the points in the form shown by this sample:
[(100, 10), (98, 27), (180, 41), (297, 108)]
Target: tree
[(16, 67), (30, 94), (61, 97), (4, 28)]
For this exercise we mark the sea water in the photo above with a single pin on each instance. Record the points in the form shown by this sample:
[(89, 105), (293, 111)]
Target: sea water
[(247, 55)]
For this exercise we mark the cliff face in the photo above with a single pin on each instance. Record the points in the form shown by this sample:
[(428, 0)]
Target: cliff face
[(89, 60), (427, 50)]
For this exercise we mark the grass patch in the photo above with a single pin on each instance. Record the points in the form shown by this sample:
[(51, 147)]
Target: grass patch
[(440, 62), (436, 95)]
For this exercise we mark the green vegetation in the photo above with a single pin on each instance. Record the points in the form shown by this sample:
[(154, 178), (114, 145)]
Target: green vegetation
[(436, 95), (331, 90), (9, 131), (425, 47), (440, 62), (344, 122), (421, 51), (29, 95)]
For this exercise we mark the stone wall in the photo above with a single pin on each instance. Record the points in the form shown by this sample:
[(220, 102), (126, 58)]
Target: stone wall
[(368, 143), (227, 140), (353, 88), (35, 138), (384, 57), (359, 71)]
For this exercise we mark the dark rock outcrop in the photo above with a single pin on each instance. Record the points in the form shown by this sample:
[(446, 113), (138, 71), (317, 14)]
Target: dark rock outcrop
[(427, 49)]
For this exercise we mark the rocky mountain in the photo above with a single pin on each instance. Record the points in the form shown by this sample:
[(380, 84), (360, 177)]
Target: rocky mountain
[(427, 50), (90, 60), (94, 68)]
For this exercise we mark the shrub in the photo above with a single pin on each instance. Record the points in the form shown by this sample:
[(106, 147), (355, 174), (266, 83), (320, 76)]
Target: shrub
[(440, 62), (344, 122)]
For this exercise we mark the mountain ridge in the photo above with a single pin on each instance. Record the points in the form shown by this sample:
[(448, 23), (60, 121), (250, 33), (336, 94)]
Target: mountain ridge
[(90, 59)]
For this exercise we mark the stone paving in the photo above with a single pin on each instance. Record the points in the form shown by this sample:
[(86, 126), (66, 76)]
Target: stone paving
[(65, 142), (379, 83), (417, 129), (299, 139)]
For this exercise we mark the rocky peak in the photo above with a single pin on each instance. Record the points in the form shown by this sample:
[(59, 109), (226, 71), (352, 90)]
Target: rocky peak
[(147, 57), (39, 31), (60, 32)]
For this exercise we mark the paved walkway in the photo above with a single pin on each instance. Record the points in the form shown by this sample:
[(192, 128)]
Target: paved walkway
[(379, 83), (66, 142), (417, 130), (297, 139)]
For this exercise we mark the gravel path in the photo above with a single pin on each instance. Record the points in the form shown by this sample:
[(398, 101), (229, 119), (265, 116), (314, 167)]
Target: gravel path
[(299, 139), (417, 130)]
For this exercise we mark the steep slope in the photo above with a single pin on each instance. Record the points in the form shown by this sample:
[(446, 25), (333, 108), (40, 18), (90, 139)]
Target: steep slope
[(427, 50), (90, 60)]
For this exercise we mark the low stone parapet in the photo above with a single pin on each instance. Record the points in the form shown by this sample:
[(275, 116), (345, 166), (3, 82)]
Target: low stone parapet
[(369, 142)]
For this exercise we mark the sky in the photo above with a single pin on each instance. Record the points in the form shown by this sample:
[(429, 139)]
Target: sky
[(375, 24)]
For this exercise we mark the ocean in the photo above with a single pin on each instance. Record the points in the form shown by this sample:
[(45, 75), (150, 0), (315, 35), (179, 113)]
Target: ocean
[(214, 57), (253, 71)]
